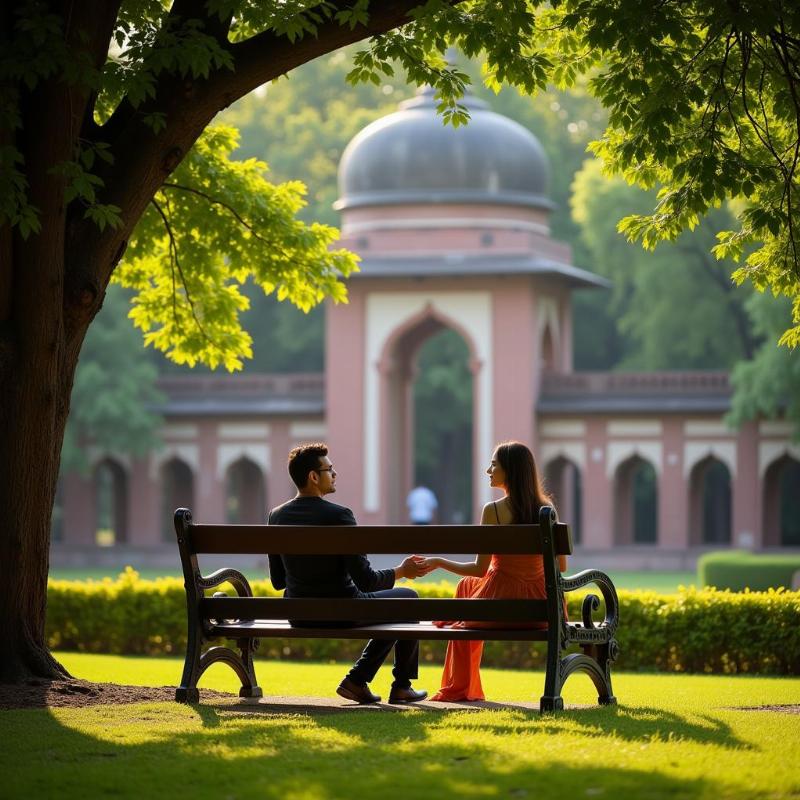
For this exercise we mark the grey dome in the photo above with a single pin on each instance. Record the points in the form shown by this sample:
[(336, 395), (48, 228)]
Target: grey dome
[(410, 156)]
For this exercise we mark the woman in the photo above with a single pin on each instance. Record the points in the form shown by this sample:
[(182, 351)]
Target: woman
[(495, 576)]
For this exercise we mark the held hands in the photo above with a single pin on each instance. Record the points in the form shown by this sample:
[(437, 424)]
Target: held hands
[(429, 564), (414, 567)]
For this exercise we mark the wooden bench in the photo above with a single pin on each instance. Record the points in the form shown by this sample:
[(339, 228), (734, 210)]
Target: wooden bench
[(246, 619)]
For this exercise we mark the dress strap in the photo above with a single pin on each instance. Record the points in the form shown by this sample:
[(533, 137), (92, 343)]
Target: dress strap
[(496, 515)]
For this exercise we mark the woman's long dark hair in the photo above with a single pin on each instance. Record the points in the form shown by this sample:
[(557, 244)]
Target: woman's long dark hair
[(525, 491)]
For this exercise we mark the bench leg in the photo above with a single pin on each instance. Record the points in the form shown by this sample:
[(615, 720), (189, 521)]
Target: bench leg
[(241, 663), (596, 662), (187, 692), (548, 705), (551, 700), (250, 687), (606, 655)]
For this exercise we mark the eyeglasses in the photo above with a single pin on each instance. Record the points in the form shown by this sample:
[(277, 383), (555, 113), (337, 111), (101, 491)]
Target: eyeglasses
[(325, 469)]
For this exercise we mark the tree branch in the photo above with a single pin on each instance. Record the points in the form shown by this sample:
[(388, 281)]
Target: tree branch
[(253, 70), (237, 216), (176, 264), (143, 159)]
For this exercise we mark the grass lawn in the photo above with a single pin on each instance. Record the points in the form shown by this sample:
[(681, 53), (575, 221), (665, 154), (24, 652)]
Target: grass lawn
[(673, 736), (664, 582)]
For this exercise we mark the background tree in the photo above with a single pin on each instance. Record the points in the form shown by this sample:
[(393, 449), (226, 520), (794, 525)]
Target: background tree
[(768, 385), (675, 308), (114, 390)]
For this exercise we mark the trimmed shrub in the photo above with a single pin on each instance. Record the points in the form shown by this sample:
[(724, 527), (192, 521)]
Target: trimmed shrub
[(692, 631), (738, 570)]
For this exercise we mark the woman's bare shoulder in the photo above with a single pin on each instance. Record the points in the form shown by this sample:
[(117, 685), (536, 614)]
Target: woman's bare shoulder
[(495, 512), (488, 516)]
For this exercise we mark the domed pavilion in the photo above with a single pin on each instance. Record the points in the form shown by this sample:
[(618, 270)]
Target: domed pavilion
[(452, 225)]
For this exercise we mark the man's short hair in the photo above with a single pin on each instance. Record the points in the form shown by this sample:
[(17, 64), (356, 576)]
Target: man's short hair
[(304, 458)]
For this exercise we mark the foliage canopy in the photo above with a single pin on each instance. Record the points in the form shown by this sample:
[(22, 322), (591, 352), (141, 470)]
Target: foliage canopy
[(702, 99)]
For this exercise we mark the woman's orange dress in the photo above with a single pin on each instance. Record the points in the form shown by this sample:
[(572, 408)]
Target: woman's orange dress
[(507, 577)]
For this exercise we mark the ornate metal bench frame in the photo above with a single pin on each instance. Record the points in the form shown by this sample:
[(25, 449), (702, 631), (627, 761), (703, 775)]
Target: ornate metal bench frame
[(245, 619)]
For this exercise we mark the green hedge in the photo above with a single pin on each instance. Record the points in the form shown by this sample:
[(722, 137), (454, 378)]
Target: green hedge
[(692, 631), (738, 570)]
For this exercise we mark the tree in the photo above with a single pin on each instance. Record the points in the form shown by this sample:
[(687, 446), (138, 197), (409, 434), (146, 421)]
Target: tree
[(768, 385), (114, 389), (675, 308), (106, 153), (704, 101)]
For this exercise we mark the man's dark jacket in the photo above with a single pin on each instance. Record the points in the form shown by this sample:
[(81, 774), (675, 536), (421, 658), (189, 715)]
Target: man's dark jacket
[(322, 576)]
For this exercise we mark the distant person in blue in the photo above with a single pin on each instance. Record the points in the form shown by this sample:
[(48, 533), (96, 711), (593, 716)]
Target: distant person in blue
[(422, 505), (342, 576)]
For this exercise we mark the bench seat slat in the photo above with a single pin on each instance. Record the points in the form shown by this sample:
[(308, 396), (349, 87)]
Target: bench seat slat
[(374, 539), (398, 630), (338, 608)]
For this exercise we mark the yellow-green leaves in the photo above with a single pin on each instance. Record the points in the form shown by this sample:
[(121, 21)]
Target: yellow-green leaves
[(215, 224)]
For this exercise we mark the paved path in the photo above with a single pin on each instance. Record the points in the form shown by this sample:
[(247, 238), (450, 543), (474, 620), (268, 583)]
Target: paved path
[(335, 705)]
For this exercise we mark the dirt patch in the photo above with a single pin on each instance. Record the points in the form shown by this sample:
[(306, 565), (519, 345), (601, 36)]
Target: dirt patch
[(78, 694), (785, 709)]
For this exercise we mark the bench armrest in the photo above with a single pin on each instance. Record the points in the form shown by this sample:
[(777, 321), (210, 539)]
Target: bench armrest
[(591, 602), (232, 576)]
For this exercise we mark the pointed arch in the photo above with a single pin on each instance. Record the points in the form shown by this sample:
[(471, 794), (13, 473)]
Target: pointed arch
[(398, 367), (245, 493), (564, 482), (695, 453), (781, 502), (710, 502), (110, 490), (636, 502), (397, 325), (176, 479)]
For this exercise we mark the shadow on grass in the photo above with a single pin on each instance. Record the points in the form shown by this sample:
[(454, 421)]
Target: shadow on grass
[(639, 724), (241, 755)]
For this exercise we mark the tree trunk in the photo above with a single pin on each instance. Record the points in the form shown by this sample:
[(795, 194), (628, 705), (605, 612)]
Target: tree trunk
[(32, 417), (38, 354)]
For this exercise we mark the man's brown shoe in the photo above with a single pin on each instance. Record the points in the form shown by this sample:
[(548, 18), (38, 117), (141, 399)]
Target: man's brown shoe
[(401, 696), (351, 690)]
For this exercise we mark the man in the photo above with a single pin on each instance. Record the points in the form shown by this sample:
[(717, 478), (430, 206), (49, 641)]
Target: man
[(342, 576), (422, 504)]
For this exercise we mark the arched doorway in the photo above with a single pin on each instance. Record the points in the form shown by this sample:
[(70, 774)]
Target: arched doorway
[(563, 482), (111, 503), (710, 503), (636, 502), (427, 343), (177, 491), (442, 413), (782, 503), (245, 502)]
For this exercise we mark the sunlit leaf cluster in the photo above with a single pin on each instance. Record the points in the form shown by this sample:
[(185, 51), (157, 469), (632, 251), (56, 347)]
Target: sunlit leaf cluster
[(215, 224)]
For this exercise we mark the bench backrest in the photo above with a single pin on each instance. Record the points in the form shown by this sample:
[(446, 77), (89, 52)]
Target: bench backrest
[(377, 539), (547, 537)]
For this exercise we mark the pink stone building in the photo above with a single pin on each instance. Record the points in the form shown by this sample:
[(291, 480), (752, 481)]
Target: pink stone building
[(453, 229)]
